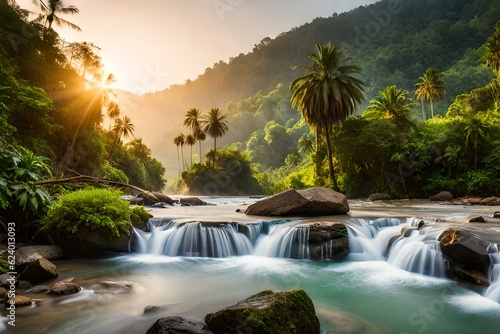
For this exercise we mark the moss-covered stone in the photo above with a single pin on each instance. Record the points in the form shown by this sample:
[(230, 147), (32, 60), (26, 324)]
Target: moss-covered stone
[(267, 312)]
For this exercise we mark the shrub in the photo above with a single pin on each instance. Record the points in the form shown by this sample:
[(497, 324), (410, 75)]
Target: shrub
[(92, 208)]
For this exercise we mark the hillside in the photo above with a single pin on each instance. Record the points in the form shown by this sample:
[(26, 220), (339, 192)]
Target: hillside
[(393, 41)]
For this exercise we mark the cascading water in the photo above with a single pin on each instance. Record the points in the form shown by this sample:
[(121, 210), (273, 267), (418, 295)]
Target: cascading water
[(493, 291), (287, 241)]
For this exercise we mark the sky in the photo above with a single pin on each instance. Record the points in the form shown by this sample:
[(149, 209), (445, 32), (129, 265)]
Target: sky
[(149, 45)]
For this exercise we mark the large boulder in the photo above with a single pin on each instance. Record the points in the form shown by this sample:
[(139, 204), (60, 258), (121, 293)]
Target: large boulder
[(285, 312), (39, 270), (465, 250), (177, 325), (65, 287), (91, 243), (442, 197), (328, 241), (307, 202), (28, 254)]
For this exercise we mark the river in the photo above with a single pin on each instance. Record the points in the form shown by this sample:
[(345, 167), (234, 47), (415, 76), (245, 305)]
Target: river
[(363, 294)]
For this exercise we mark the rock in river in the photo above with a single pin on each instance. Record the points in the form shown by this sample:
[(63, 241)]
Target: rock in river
[(288, 312), (307, 202)]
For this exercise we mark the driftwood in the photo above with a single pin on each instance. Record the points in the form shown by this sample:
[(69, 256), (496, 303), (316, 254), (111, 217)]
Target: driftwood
[(85, 178)]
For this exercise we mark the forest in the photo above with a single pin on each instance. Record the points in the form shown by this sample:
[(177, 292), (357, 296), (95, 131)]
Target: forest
[(54, 105), (424, 116)]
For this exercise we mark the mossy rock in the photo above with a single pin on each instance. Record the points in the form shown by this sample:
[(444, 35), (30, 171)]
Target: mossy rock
[(267, 312)]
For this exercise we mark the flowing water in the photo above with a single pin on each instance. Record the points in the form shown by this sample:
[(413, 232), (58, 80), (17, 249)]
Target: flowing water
[(392, 282)]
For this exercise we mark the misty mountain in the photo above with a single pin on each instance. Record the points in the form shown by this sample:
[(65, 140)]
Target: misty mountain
[(394, 41)]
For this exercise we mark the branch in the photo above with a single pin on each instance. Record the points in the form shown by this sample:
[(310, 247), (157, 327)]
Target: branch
[(85, 178)]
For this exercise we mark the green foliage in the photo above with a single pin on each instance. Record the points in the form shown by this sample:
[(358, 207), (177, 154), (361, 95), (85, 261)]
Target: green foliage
[(21, 199), (139, 216), (231, 175), (4, 267), (92, 208), (114, 174)]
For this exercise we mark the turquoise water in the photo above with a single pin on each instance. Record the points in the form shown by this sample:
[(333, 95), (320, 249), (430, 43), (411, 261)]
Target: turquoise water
[(363, 294), (350, 297)]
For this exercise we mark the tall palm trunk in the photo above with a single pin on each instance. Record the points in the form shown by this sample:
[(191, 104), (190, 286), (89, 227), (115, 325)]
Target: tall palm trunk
[(330, 159), (423, 108), (215, 151)]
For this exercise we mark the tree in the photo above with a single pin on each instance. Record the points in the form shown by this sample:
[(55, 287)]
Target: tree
[(215, 125), (190, 141), (179, 141), (50, 10), (113, 112), (430, 87), (123, 128), (493, 55), (328, 94), (392, 103), (476, 130), (193, 122)]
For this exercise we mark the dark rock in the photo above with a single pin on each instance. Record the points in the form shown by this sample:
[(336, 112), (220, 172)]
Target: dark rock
[(464, 249), (177, 325), (161, 197), (479, 219), (38, 289), (328, 241), (285, 312), (6, 281), (19, 300), (65, 287), (152, 309), (39, 270), (192, 201), (379, 197), (91, 243), (496, 214), (3, 292), (24, 284), (31, 253), (469, 275), (442, 196), (307, 202)]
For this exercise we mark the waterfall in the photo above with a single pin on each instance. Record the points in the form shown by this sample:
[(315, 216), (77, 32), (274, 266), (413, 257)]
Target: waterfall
[(493, 291), (287, 241), (401, 245), (193, 239)]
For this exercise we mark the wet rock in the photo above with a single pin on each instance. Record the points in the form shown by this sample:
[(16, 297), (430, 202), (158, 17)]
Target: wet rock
[(6, 281), (91, 243), (39, 270), (18, 300), (442, 196), (153, 309), (24, 284), (470, 275), (379, 197), (465, 250), (328, 241), (38, 289), (285, 312), (3, 292), (496, 214), (65, 287), (119, 287), (161, 197), (177, 325), (31, 253), (307, 202), (192, 201)]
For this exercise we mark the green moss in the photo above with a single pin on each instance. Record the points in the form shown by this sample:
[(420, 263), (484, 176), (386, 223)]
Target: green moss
[(139, 216), (92, 208), (4, 266)]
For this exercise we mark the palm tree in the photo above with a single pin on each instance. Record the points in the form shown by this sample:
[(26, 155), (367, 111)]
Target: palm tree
[(493, 55), (190, 141), (392, 103), (193, 122), (215, 125), (430, 87), (328, 94), (123, 128), (476, 130), (113, 112), (50, 10), (199, 136), (179, 141)]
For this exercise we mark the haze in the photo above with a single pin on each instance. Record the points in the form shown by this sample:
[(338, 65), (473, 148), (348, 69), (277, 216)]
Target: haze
[(149, 45)]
